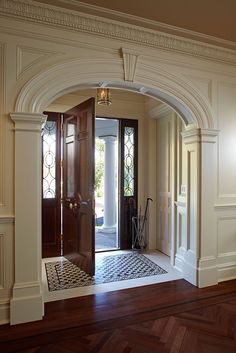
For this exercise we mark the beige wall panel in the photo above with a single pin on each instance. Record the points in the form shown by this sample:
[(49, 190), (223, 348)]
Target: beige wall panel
[(226, 235), (2, 260), (2, 123), (28, 57), (192, 194), (226, 186), (203, 84), (165, 192), (151, 161)]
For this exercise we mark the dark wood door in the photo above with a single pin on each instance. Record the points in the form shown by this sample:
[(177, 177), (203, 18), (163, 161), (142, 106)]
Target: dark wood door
[(51, 215), (128, 137), (78, 186)]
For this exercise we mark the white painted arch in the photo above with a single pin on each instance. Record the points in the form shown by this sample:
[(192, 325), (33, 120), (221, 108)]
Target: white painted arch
[(32, 100), (73, 74)]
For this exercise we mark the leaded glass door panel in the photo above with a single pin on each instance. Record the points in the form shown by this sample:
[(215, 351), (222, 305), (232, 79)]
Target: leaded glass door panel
[(51, 220), (128, 179)]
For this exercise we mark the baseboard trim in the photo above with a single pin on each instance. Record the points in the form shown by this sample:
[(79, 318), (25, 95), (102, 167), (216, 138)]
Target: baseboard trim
[(226, 272), (4, 312), (26, 309), (204, 275), (189, 271)]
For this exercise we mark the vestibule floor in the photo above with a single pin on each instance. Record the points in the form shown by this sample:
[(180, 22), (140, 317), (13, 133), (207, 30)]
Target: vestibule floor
[(157, 257)]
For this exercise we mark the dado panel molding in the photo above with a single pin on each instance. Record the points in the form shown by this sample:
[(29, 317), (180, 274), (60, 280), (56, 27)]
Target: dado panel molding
[(78, 21)]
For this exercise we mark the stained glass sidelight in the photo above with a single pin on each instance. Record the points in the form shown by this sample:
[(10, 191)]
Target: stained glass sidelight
[(129, 161), (49, 160)]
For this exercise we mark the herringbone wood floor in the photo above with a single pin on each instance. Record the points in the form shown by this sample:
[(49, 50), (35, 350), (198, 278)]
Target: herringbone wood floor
[(172, 317)]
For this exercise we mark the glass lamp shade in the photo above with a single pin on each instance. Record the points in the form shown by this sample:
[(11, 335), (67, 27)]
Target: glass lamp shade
[(103, 96)]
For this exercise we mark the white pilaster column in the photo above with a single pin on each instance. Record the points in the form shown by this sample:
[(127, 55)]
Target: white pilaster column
[(207, 265), (197, 244), (109, 225), (26, 303)]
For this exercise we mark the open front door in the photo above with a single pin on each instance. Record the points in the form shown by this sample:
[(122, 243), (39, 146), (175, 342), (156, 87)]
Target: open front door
[(78, 186)]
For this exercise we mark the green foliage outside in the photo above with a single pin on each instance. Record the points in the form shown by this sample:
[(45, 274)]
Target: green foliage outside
[(99, 167)]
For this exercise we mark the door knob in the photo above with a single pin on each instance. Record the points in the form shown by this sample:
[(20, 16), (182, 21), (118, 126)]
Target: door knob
[(71, 206)]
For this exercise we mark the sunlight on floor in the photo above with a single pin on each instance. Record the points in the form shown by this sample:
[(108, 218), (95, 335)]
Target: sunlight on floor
[(155, 256)]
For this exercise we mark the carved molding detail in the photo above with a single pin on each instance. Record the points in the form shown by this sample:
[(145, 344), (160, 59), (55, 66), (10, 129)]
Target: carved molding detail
[(130, 59), (78, 21)]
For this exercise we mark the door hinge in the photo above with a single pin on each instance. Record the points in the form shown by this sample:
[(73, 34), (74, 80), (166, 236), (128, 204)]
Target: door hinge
[(61, 163)]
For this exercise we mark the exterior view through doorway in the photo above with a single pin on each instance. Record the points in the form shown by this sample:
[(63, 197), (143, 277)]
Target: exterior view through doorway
[(106, 184)]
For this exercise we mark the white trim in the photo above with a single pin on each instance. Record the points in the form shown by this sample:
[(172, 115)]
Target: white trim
[(28, 121), (77, 21), (7, 219), (200, 135), (80, 73), (160, 111), (225, 207)]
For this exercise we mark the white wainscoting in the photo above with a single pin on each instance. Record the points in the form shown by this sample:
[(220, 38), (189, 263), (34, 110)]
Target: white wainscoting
[(6, 266)]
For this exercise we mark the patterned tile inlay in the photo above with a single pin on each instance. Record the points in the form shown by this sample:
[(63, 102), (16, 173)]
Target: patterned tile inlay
[(64, 275)]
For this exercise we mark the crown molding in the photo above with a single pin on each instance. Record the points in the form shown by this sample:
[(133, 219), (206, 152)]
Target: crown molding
[(77, 21), (141, 22)]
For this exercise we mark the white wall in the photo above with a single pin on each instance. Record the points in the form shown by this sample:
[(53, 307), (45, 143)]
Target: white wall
[(166, 182), (225, 205), (42, 58)]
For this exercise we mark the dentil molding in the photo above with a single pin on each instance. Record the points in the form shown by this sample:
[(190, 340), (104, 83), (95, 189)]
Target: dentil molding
[(78, 21)]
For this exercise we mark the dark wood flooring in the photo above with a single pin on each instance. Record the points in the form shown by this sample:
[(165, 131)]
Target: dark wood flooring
[(171, 317)]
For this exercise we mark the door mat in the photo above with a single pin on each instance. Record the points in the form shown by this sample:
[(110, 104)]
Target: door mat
[(64, 275)]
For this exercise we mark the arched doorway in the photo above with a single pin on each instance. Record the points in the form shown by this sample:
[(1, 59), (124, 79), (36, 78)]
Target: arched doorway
[(34, 97)]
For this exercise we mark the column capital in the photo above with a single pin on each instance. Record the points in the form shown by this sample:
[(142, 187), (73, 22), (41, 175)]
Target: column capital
[(108, 138), (200, 136), (28, 121)]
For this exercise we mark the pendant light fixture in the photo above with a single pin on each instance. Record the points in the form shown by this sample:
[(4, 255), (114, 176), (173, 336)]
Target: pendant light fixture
[(103, 96)]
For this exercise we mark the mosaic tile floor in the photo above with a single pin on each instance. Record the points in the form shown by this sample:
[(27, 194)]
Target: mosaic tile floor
[(64, 275)]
